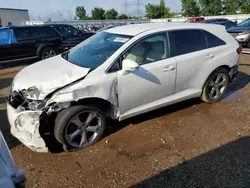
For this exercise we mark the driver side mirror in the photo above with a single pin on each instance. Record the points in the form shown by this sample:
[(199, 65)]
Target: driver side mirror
[(128, 65)]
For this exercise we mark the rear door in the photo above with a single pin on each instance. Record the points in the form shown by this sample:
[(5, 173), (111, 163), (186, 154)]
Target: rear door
[(26, 42), (190, 49)]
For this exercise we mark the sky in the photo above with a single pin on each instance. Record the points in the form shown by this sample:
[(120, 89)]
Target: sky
[(65, 9)]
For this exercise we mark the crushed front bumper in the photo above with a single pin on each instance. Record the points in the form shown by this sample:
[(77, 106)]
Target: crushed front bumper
[(25, 127)]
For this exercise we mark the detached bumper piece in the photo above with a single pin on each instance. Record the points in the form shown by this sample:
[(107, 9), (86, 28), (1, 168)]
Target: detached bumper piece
[(233, 72), (25, 127)]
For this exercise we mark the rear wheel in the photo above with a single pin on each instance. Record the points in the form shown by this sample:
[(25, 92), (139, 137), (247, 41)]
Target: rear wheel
[(79, 127), (48, 52), (216, 86)]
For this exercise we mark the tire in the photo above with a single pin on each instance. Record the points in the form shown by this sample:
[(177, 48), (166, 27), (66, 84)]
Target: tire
[(69, 130), (48, 52), (215, 88)]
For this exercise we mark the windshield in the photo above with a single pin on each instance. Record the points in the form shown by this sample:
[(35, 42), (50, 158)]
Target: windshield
[(105, 28), (245, 23), (94, 51)]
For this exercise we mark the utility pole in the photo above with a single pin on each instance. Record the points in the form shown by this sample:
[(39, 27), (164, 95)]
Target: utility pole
[(138, 5), (126, 7)]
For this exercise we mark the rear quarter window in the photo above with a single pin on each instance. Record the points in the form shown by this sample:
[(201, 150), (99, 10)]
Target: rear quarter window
[(212, 40), (7, 36), (187, 41)]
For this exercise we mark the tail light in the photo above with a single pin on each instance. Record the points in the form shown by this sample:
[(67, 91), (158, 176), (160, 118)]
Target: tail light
[(239, 50), (60, 38)]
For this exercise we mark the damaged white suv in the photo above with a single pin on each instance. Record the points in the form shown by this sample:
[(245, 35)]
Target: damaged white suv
[(119, 73)]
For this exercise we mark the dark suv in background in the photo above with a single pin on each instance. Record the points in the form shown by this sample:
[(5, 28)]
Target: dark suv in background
[(221, 21), (29, 42), (71, 36)]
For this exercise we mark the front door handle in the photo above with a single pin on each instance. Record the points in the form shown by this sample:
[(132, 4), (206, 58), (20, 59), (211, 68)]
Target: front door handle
[(210, 56), (169, 68)]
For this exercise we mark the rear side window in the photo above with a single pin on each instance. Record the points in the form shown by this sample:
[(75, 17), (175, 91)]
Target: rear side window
[(187, 41), (24, 33), (212, 40), (45, 32)]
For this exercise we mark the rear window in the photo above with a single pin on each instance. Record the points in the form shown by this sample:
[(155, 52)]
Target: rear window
[(188, 41), (212, 40)]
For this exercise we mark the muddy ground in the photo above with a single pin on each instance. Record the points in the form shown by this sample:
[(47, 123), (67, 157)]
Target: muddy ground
[(190, 144)]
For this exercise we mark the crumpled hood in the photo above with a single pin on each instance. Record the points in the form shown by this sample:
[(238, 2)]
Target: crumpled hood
[(48, 75), (238, 29)]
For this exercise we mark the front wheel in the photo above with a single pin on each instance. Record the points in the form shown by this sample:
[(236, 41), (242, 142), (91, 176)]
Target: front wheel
[(79, 127), (48, 52), (216, 86)]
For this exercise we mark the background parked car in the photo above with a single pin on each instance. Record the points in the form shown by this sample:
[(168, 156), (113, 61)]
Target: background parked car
[(241, 32), (9, 175), (105, 28), (29, 42), (71, 36), (195, 19), (221, 21)]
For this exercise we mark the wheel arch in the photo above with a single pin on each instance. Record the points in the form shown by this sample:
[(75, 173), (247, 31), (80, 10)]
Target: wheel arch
[(108, 107), (43, 46), (211, 72)]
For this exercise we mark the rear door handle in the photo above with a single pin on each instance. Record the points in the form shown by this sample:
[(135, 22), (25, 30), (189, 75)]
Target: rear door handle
[(210, 56), (169, 68)]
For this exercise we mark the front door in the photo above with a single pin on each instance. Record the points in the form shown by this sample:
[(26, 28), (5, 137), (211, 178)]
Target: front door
[(152, 84)]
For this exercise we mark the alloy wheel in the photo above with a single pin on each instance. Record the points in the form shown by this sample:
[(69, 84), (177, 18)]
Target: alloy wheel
[(49, 53), (83, 129), (217, 86)]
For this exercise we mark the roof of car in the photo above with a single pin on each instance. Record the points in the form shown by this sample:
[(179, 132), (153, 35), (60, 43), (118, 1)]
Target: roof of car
[(22, 26), (136, 29)]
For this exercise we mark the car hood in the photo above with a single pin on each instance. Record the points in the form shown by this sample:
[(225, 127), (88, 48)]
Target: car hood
[(46, 76), (238, 29)]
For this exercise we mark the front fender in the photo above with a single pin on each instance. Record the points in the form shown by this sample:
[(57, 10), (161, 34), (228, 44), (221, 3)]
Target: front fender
[(79, 91)]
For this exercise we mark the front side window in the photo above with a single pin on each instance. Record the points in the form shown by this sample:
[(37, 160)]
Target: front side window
[(94, 51), (62, 30), (150, 49), (71, 30), (45, 32), (188, 41)]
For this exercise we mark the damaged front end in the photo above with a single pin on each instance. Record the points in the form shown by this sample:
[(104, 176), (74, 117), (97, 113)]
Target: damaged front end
[(28, 119), (24, 118)]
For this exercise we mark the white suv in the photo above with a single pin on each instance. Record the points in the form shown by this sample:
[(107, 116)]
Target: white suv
[(119, 73)]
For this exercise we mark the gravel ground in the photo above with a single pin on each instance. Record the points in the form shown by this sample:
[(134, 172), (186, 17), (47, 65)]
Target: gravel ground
[(190, 144)]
